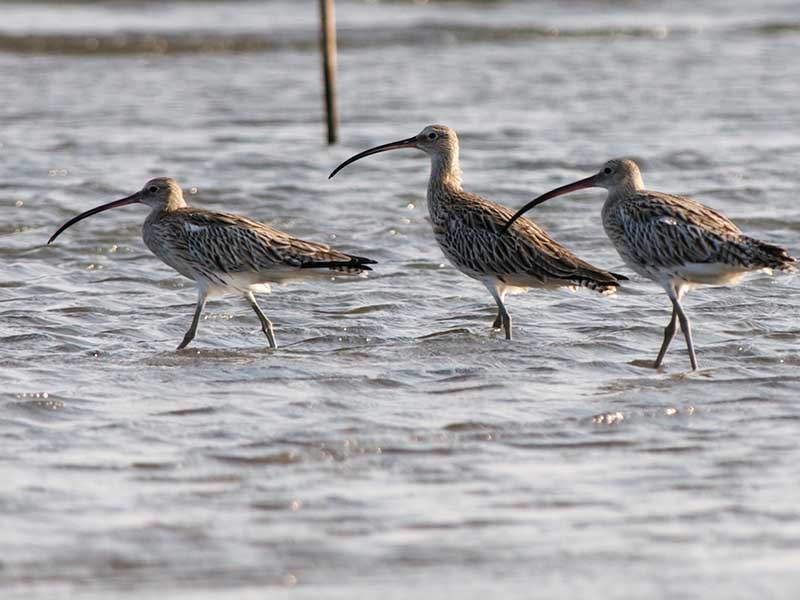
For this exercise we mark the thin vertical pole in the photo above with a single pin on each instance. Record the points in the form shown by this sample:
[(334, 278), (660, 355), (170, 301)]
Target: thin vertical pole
[(328, 42)]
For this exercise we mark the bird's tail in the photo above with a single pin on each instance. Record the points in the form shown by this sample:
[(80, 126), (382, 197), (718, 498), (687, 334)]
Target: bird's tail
[(603, 282), (773, 257), (356, 264)]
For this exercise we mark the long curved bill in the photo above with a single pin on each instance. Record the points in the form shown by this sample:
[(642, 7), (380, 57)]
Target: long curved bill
[(409, 143), (559, 191), (116, 203)]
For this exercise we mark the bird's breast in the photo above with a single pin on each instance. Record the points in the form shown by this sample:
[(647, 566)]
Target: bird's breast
[(166, 246)]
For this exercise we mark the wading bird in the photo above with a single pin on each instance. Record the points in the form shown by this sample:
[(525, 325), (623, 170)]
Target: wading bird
[(468, 229), (671, 240), (225, 253)]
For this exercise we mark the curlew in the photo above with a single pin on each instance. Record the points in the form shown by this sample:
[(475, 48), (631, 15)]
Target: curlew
[(222, 252), (468, 229), (671, 240)]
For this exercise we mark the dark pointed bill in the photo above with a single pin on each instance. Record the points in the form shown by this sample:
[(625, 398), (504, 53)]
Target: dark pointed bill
[(409, 143), (559, 191), (122, 202)]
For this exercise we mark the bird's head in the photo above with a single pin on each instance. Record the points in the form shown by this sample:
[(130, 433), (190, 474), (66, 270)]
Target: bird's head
[(434, 140), (616, 175), (161, 193)]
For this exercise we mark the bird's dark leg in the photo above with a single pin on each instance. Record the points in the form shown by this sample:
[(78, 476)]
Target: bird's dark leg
[(687, 332), (502, 314), (498, 322), (507, 323), (669, 334), (202, 295), (266, 324), (675, 293)]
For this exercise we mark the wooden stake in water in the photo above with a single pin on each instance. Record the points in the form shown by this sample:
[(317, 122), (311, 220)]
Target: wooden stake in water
[(328, 42)]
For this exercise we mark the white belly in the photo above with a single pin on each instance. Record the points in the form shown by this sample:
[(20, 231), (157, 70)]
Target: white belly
[(259, 283), (691, 273), (710, 273), (227, 283)]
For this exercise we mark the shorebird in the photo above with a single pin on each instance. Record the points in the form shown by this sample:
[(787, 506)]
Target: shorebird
[(671, 240), (468, 230), (222, 252)]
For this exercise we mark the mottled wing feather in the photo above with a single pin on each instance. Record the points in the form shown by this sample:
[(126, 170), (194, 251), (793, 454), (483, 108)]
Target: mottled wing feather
[(231, 243), (474, 236), (666, 231)]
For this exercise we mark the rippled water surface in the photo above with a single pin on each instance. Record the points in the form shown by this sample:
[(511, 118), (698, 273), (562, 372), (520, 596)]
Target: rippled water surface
[(393, 446)]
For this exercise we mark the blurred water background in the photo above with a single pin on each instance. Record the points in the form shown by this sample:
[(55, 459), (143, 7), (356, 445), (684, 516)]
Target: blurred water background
[(394, 446)]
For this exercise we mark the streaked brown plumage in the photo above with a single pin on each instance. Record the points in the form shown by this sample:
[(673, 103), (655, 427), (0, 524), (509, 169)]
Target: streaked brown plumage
[(224, 253), (468, 229), (672, 240)]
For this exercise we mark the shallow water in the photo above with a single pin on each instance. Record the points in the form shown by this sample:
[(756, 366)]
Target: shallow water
[(393, 442)]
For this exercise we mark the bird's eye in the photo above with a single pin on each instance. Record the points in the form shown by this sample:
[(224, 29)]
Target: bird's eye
[(431, 136), (152, 189), (607, 170)]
